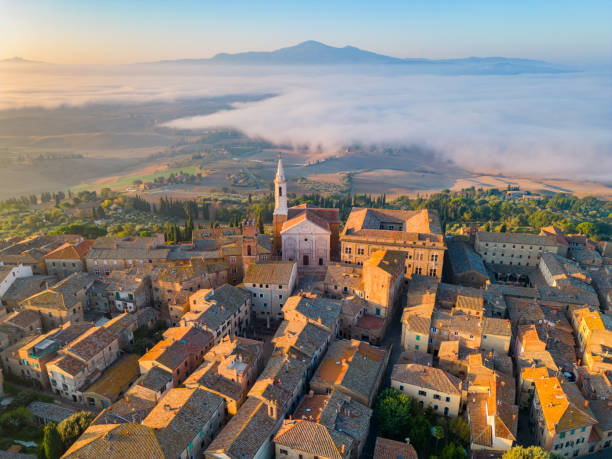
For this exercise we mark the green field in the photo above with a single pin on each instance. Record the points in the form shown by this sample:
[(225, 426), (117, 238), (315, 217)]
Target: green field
[(126, 181)]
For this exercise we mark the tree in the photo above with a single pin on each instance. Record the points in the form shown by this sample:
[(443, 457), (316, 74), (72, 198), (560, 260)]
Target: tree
[(532, 452), (438, 433), (16, 419), (260, 224), (52, 442), (73, 426), (453, 451)]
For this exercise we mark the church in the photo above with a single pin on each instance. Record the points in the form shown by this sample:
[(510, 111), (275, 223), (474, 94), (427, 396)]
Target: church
[(306, 234)]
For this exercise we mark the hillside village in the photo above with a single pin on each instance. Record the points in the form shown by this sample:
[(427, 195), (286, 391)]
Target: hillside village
[(240, 344)]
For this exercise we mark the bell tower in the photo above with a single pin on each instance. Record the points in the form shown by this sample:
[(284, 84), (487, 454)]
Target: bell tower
[(280, 208)]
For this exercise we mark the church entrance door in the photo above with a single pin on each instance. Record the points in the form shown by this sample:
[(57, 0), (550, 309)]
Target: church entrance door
[(306, 260)]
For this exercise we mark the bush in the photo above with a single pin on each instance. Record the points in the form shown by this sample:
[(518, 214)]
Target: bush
[(16, 419)]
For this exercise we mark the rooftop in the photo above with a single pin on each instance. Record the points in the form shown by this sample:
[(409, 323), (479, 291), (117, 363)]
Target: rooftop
[(179, 417), (354, 365), (116, 441), (273, 272), (246, 431), (91, 343), (427, 377), (116, 378), (315, 439), (391, 449), (563, 407)]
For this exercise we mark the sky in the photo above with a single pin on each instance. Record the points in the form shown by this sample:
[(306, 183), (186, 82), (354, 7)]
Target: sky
[(121, 31)]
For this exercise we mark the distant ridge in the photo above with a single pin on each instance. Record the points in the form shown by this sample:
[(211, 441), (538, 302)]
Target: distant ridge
[(19, 60), (316, 53)]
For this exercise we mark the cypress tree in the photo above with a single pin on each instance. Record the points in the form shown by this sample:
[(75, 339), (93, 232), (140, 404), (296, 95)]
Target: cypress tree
[(52, 442)]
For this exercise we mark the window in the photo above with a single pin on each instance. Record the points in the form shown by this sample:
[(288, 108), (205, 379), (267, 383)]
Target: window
[(401, 388), (422, 393), (377, 311), (437, 397), (284, 451), (418, 337), (416, 347), (448, 399), (436, 407), (562, 435)]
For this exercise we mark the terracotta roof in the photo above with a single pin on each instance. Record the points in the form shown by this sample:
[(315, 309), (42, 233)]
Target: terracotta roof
[(206, 377), (351, 364), (168, 353), (68, 364), (273, 272), (496, 326), (315, 439), (480, 431), (370, 322), (391, 449), (180, 415), (130, 408), (336, 411), (328, 214), (116, 378), (516, 238), (559, 407), (69, 251), (116, 441), (427, 378), (321, 310), (246, 431), (23, 319), (155, 379), (411, 221), (91, 343)]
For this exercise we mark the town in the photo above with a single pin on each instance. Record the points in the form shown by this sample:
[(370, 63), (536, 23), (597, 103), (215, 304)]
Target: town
[(331, 336)]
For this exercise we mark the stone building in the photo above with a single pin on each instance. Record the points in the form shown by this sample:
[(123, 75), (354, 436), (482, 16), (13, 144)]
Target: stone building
[(68, 258), (119, 253), (519, 249), (432, 387), (63, 302), (271, 284), (561, 419), (224, 311), (418, 233)]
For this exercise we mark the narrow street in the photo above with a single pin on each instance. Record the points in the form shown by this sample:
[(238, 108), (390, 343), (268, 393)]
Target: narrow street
[(393, 339)]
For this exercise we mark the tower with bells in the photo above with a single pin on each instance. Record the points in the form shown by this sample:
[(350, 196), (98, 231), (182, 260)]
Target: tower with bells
[(280, 208)]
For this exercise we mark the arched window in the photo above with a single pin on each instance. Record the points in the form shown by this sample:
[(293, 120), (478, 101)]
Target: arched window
[(280, 190)]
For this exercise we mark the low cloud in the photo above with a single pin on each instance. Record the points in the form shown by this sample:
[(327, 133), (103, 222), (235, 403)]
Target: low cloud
[(533, 124)]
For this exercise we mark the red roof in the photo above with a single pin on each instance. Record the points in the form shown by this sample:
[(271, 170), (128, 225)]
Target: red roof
[(71, 251)]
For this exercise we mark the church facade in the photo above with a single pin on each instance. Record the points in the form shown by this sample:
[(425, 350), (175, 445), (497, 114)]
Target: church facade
[(305, 234)]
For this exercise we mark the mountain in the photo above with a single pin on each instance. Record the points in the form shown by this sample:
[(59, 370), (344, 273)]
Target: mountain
[(315, 53), (19, 60)]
